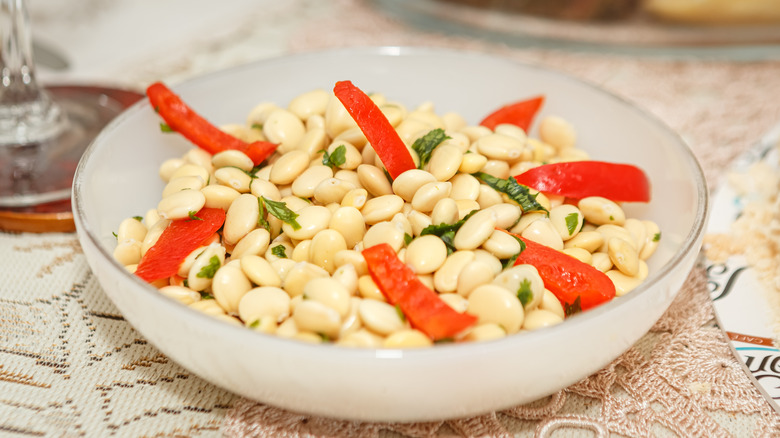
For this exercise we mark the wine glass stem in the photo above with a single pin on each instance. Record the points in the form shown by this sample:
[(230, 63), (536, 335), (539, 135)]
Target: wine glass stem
[(27, 113)]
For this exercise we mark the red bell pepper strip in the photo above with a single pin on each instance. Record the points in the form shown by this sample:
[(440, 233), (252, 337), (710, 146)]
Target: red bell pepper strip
[(519, 113), (176, 242), (182, 119), (566, 277), (580, 179), (377, 129), (422, 306)]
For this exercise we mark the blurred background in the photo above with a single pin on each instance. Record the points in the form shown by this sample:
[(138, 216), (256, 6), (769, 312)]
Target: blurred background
[(129, 43)]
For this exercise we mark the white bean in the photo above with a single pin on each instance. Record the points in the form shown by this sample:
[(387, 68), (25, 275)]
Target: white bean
[(260, 271), (262, 302), (241, 218), (283, 128), (426, 254), (306, 182), (324, 246), (228, 286), (475, 231), (492, 303), (380, 317), (317, 317), (407, 183), (329, 292), (180, 205), (312, 219), (289, 166), (183, 295), (373, 180), (445, 279), (599, 211)]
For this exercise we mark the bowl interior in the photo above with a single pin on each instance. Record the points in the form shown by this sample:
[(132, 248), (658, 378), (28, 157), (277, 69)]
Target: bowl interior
[(117, 178)]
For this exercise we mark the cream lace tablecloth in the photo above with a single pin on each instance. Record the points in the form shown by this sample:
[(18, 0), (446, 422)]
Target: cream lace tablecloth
[(71, 366)]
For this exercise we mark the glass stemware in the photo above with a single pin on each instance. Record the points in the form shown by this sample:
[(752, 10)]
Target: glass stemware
[(43, 131)]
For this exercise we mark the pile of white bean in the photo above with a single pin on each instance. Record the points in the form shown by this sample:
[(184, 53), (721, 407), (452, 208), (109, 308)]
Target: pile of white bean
[(318, 289)]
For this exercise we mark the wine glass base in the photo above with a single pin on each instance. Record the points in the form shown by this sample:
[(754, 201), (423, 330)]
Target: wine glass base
[(36, 178)]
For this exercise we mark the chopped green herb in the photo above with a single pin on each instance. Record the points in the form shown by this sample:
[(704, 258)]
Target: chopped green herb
[(612, 218), (571, 309), (138, 218), (185, 283), (279, 251), (193, 217), (209, 270), (446, 232), (516, 191), (325, 338), (116, 236), (407, 239), (254, 324), (336, 158), (164, 127), (656, 237), (524, 292), (425, 145), (572, 220), (284, 214), (206, 296), (262, 222), (400, 313), (258, 126)]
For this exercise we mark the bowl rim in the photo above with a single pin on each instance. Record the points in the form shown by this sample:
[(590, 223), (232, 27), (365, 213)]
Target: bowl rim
[(688, 244)]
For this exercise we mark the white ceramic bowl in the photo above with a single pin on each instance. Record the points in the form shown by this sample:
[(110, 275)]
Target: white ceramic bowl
[(117, 178)]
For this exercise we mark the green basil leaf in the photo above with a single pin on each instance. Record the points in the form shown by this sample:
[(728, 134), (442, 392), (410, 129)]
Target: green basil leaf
[(425, 145), (279, 251), (209, 270), (284, 214), (524, 292), (262, 222), (572, 220), (336, 158), (516, 191)]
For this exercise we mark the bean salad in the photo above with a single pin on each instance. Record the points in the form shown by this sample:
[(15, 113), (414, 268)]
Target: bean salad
[(325, 236)]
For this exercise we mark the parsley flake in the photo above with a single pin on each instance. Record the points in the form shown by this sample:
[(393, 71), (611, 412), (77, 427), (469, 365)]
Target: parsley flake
[(425, 145), (524, 292), (209, 270), (138, 218), (262, 222), (571, 309), (206, 296), (279, 251), (400, 313), (572, 220), (284, 214), (193, 217), (336, 158), (516, 191), (258, 126), (254, 324), (407, 239), (656, 237), (164, 127)]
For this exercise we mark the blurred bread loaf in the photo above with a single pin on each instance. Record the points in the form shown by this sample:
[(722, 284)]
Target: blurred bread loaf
[(715, 11)]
